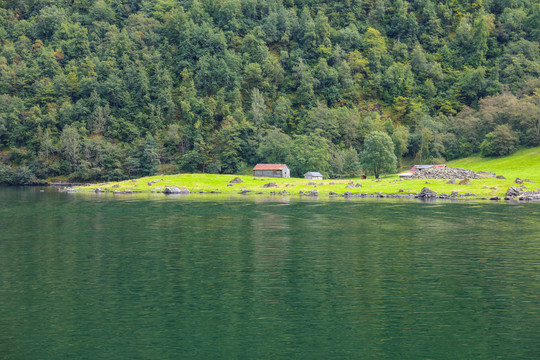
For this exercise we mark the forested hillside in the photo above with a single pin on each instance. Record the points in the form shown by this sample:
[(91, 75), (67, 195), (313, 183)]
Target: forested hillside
[(110, 89)]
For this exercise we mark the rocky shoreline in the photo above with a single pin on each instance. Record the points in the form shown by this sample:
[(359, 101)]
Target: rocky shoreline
[(517, 192), (513, 193)]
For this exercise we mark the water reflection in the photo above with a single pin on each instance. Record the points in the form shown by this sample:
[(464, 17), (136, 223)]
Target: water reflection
[(198, 278)]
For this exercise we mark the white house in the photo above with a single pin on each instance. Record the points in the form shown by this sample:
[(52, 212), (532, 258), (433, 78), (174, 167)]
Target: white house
[(312, 175)]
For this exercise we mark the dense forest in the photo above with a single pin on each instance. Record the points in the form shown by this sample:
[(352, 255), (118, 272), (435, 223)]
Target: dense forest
[(111, 89)]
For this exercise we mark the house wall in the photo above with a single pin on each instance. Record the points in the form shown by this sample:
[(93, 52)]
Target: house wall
[(283, 173), (311, 177), (267, 173)]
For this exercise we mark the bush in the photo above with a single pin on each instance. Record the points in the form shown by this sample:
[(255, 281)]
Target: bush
[(502, 141), (16, 176), (6, 173)]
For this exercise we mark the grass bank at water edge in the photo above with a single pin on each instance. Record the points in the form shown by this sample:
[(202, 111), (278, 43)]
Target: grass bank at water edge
[(524, 164)]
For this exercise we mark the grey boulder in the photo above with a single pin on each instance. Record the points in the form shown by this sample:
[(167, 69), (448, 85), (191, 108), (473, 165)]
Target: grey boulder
[(513, 191), (427, 193), (175, 190)]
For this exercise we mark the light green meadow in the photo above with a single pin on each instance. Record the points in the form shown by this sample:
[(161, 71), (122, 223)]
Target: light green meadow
[(524, 164)]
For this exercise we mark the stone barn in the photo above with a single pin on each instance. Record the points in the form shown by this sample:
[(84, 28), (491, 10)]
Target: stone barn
[(272, 170), (313, 175)]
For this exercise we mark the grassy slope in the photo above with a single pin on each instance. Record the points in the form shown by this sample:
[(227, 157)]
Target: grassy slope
[(524, 164)]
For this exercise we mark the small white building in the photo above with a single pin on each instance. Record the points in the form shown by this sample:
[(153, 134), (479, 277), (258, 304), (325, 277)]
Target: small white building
[(272, 170), (312, 175)]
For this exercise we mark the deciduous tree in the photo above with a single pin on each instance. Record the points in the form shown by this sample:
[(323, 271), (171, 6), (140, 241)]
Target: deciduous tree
[(377, 156)]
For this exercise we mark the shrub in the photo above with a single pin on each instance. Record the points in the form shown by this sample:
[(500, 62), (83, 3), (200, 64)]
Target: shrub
[(16, 176), (502, 141)]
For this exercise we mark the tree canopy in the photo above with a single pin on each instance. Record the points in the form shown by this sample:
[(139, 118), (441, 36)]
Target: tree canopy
[(378, 155)]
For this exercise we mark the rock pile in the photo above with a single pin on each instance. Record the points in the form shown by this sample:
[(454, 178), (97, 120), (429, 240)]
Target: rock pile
[(521, 181), (150, 183), (449, 173), (530, 195), (236, 180), (515, 193), (427, 193), (175, 190)]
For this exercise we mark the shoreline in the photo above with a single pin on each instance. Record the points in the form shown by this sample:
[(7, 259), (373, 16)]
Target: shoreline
[(512, 177), (426, 195)]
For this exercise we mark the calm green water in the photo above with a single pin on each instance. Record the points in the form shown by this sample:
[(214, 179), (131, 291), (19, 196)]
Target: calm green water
[(203, 277)]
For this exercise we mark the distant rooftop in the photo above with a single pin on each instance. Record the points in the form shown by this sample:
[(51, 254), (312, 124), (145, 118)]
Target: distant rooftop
[(269, 166), (313, 173), (422, 167), (428, 166), (419, 167)]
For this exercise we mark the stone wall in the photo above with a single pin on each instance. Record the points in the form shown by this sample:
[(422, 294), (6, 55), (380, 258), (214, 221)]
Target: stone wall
[(449, 173)]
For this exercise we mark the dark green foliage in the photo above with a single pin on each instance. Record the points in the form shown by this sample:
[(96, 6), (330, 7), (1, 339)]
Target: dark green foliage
[(502, 141), (378, 155), (275, 147), (150, 157), (102, 89), (400, 138), (16, 176), (344, 163), (309, 153)]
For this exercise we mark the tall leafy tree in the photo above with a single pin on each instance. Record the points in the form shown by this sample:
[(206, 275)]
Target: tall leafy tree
[(309, 153), (377, 156), (70, 141)]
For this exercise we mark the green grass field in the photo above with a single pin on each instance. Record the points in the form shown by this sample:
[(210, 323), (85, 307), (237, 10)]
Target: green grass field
[(524, 164)]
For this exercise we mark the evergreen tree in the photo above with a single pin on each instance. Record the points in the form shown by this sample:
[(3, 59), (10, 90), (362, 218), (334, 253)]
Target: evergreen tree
[(149, 157)]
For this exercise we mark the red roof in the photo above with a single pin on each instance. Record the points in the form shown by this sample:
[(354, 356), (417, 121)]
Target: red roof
[(269, 166)]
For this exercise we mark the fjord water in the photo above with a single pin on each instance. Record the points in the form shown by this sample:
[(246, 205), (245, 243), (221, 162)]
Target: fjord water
[(205, 277)]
